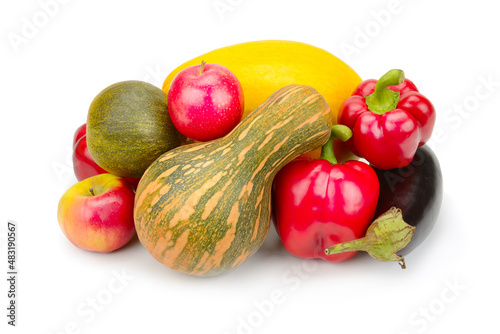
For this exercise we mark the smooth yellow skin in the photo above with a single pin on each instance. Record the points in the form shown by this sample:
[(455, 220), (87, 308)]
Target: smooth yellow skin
[(262, 67)]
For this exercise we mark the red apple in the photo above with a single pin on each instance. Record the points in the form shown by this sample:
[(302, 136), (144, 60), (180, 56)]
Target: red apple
[(83, 164), (97, 214), (205, 102), (79, 133)]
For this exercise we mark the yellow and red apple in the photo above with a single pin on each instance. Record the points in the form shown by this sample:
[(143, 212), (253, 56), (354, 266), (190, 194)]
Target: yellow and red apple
[(97, 214)]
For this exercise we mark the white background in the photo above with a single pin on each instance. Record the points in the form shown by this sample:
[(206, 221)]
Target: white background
[(449, 49)]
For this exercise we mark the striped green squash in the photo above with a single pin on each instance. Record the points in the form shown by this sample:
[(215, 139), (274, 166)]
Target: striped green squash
[(203, 209)]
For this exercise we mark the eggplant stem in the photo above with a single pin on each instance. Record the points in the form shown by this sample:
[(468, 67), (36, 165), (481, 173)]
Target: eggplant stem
[(386, 236)]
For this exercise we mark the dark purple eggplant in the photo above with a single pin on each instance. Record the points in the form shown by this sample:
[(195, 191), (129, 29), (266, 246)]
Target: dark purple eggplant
[(417, 190)]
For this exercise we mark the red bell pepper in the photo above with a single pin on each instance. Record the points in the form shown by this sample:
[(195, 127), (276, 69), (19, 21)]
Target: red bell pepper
[(389, 119), (319, 203)]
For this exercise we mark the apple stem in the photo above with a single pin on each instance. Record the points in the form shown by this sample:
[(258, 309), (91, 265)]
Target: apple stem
[(92, 191), (201, 67)]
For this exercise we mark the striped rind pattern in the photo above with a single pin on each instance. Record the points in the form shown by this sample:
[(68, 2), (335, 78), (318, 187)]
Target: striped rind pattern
[(203, 209)]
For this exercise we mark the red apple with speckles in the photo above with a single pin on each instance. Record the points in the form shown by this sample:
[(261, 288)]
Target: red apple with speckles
[(205, 102)]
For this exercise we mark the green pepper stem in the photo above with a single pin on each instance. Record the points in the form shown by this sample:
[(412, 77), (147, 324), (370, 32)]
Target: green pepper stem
[(383, 99), (388, 234), (339, 131)]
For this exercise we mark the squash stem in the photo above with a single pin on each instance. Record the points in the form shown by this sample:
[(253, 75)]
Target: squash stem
[(339, 131)]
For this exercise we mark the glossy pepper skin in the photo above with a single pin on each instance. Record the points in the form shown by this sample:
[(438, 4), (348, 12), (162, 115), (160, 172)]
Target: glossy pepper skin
[(389, 119), (318, 204)]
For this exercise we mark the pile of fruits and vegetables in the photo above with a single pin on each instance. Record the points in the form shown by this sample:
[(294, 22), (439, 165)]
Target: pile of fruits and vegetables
[(246, 135)]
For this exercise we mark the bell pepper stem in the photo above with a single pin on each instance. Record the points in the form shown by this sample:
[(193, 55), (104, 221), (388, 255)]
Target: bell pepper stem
[(386, 236), (339, 131), (327, 151), (382, 99)]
